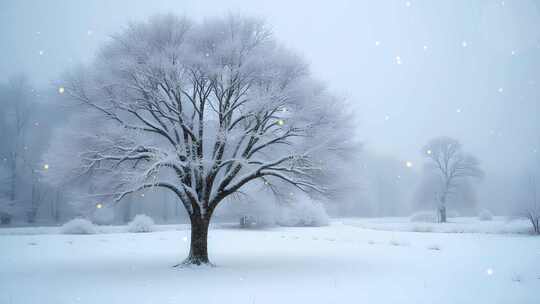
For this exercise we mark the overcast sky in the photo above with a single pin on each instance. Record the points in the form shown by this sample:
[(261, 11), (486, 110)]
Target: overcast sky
[(412, 69)]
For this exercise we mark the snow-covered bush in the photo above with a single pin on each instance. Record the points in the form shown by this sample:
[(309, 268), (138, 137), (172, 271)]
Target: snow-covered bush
[(424, 216), (303, 213), (9, 210), (141, 223), (5, 218), (78, 226), (485, 215)]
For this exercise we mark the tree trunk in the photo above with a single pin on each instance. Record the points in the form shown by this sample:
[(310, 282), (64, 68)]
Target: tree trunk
[(198, 251), (442, 214), (13, 176)]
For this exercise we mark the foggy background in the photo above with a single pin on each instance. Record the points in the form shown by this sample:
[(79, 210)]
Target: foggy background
[(411, 70)]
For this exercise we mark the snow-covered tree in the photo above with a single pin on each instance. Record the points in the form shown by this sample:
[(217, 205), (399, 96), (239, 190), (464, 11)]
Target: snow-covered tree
[(14, 119), (22, 140), (451, 170), (198, 109)]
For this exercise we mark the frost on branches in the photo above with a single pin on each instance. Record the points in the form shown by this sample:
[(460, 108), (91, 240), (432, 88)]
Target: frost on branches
[(199, 109)]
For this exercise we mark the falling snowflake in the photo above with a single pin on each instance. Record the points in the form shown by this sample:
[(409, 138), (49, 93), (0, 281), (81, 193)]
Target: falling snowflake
[(464, 43)]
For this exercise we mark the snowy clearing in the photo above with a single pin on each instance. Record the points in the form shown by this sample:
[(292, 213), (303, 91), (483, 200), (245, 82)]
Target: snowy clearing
[(498, 225), (335, 264)]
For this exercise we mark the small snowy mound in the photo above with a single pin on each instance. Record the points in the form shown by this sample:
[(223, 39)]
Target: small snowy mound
[(485, 215), (424, 217), (78, 226), (141, 223), (303, 213)]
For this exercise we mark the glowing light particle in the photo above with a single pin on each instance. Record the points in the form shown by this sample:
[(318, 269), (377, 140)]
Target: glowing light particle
[(281, 122), (428, 152), (408, 164), (99, 205), (46, 166), (61, 90), (377, 43), (489, 271), (464, 43)]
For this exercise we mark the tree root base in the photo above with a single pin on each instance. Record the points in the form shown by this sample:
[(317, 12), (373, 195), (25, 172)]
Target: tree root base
[(194, 262)]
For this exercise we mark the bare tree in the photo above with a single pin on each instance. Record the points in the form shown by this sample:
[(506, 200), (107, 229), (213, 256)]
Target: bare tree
[(532, 208), (452, 167), (200, 110), (16, 108)]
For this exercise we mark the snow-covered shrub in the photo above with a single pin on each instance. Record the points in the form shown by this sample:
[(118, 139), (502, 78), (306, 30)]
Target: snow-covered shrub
[(485, 215), (141, 223), (8, 210), (5, 218), (303, 213), (258, 214), (78, 226), (422, 229), (424, 216)]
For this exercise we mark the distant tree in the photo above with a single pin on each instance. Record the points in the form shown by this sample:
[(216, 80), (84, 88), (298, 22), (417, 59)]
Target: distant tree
[(200, 110), (16, 98), (532, 211), (451, 168), (528, 204)]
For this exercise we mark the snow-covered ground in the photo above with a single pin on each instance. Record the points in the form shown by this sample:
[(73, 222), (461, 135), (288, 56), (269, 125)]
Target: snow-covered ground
[(342, 263), (498, 225)]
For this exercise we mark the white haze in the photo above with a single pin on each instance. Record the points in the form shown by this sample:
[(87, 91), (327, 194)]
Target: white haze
[(412, 70)]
